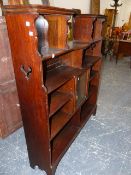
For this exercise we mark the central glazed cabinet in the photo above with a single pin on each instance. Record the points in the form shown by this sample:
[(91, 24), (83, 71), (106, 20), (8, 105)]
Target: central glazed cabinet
[(57, 76)]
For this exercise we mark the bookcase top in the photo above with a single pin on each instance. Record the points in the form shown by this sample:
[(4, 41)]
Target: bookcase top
[(39, 9)]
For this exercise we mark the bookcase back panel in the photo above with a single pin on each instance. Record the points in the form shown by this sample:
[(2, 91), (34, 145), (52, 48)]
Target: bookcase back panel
[(58, 29), (83, 29), (73, 58)]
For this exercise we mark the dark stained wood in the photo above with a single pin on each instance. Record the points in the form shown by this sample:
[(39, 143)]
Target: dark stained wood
[(90, 61), (124, 49), (71, 46), (38, 9), (33, 102), (60, 76), (97, 32), (58, 121), (83, 28), (92, 75), (58, 99), (57, 34), (92, 89), (86, 112), (1, 3), (53, 85), (60, 144)]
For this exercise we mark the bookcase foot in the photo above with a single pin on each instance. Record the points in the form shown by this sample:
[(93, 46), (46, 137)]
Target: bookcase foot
[(51, 171)]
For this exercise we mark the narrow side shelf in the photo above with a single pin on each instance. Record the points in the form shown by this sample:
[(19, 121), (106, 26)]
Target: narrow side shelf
[(57, 100), (58, 76), (58, 121), (71, 46)]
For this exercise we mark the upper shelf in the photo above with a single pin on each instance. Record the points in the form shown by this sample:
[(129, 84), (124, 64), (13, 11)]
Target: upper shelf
[(71, 45)]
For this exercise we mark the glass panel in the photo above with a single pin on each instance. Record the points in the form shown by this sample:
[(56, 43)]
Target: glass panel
[(81, 88)]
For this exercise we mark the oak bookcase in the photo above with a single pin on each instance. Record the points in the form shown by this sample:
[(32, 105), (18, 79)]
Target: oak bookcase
[(57, 79)]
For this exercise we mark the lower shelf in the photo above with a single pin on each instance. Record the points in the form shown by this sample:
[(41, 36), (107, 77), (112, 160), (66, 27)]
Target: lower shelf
[(86, 111), (59, 120), (63, 141)]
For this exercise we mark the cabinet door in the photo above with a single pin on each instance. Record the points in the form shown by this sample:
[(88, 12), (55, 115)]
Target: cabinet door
[(81, 88)]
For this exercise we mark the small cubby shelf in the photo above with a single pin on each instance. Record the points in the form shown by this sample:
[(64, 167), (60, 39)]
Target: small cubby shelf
[(58, 121), (57, 100), (59, 93)]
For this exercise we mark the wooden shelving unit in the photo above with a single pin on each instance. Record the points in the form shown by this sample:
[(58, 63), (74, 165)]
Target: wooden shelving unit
[(57, 79)]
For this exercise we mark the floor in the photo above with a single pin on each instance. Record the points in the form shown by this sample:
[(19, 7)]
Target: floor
[(103, 146)]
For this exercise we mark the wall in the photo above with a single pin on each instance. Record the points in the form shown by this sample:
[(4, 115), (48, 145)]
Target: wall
[(84, 5), (123, 11)]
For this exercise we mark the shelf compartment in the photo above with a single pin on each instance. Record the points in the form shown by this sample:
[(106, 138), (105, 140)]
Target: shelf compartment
[(89, 61), (63, 141), (58, 99), (86, 111), (58, 121), (58, 76)]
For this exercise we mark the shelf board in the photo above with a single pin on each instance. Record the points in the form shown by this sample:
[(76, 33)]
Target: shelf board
[(58, 99), (63, 141), (58, 76), (50, 53), (76, 44), (58, 121), (89, 61)]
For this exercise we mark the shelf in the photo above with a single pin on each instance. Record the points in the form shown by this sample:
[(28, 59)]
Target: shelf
[(62, 142), (76, 44), (58, 121), (49, 53), (58, 99), (58, 76), (89, 61), (93, 74)]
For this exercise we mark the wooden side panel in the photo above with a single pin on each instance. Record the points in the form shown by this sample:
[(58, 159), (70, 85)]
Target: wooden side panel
[(82, 28), (98, 29), (97, 49), (32, 94), (57, 33)]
